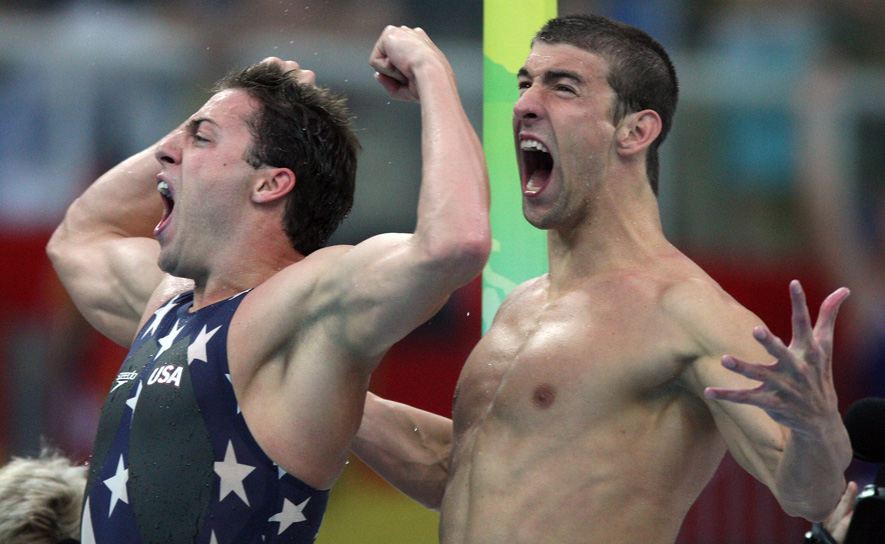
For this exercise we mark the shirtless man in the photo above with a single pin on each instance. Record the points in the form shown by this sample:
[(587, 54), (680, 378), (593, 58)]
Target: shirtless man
[(601, 400), (252, 345)]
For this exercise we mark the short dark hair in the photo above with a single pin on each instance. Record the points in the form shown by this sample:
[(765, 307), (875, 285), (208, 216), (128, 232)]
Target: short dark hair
[(640, 71), (308, 130)]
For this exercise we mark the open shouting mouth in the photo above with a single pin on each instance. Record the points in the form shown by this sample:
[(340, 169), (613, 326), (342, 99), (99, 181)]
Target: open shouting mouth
[(168, 204), (537, 163)]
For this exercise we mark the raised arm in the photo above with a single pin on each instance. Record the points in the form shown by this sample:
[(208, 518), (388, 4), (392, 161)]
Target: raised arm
[(337, 311), (386, 286), (779, 419), (104, 250), (407, 447)]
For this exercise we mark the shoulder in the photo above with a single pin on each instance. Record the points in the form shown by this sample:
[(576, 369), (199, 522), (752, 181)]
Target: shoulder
[(523, 294), (711, 315), (715, 324)]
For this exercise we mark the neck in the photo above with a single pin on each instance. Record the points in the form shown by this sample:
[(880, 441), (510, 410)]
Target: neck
[(617, 231), (237, 271)]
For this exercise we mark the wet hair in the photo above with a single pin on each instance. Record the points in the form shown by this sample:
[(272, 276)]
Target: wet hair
[(640, 71), (308, 130), (41, 499)]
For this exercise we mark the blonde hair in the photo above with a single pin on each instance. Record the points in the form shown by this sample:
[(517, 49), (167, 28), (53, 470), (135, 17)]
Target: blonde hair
[(41, 499)]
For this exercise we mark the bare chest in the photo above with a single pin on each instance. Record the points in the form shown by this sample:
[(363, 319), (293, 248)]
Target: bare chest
[(578, 359)]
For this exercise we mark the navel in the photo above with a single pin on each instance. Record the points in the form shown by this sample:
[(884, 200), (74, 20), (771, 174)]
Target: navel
[(544, 396)]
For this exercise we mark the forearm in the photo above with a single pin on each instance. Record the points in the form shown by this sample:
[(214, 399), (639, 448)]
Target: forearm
[(123, 202), (453, 205), (407, 447), (810, 476), (104, 251)]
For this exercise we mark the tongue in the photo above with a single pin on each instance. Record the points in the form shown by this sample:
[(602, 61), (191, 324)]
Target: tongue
[(537, 181), (163, 220)]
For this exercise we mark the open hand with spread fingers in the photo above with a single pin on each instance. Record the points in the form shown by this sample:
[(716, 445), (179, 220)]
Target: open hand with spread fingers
[(797, 389)]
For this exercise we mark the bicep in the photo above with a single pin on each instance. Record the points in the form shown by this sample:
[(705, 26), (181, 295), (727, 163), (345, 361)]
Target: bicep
[(722, 328), (381, 290), (109, 280), (754, 439)]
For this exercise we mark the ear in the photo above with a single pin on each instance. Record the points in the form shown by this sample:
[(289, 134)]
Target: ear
[(637, 131), (274, 184)]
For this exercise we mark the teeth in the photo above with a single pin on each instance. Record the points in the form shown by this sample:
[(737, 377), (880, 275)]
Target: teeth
[(163, 187), (532, 145)]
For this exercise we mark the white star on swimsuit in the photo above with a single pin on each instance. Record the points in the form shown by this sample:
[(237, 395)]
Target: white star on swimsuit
[(134, 400), (117, 485), (167, 341), (232, 475), (197, 350), (290, 514), (87, 533), (158, 316), (232, 384)]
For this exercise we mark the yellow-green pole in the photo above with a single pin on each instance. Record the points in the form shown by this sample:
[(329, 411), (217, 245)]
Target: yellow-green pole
[(518, 249)]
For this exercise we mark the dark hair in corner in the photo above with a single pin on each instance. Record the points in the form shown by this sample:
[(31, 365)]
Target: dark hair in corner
[(640, 71), (308, 130)]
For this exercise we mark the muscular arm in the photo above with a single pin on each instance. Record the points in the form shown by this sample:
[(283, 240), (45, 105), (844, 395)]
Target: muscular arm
[(383, 288), (104, 251), (780, 419), (336, 312), (407, 447)]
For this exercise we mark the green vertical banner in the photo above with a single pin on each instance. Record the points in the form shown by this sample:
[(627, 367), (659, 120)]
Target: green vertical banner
[(518, 250)]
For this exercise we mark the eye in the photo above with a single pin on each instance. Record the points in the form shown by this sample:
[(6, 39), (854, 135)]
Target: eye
[(564, 89), (199, 138), (523, 85)]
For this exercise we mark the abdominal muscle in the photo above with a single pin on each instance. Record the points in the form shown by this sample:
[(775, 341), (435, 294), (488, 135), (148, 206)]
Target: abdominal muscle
[(561, 484)]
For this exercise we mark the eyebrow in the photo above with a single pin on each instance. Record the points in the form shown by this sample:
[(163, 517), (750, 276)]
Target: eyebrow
[(553, 75), (194, 124)]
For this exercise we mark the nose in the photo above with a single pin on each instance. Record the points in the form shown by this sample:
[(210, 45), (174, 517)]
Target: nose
[(168, 150), (527, 106)]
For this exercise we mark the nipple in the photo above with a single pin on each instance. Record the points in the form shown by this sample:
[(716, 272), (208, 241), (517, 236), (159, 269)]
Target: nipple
[(544, 396)]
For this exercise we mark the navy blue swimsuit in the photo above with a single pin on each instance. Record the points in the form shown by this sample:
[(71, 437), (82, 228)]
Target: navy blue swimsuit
[(174, 461)]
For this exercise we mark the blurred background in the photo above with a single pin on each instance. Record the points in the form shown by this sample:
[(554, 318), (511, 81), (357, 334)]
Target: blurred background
[(773, 171)]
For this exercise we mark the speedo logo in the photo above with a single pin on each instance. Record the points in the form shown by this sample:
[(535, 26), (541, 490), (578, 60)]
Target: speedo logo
[(124, 377), (166, 374)]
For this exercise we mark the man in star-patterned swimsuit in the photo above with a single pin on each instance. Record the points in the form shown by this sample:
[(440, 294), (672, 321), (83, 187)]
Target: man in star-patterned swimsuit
[(173, 401), (252, 344)]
